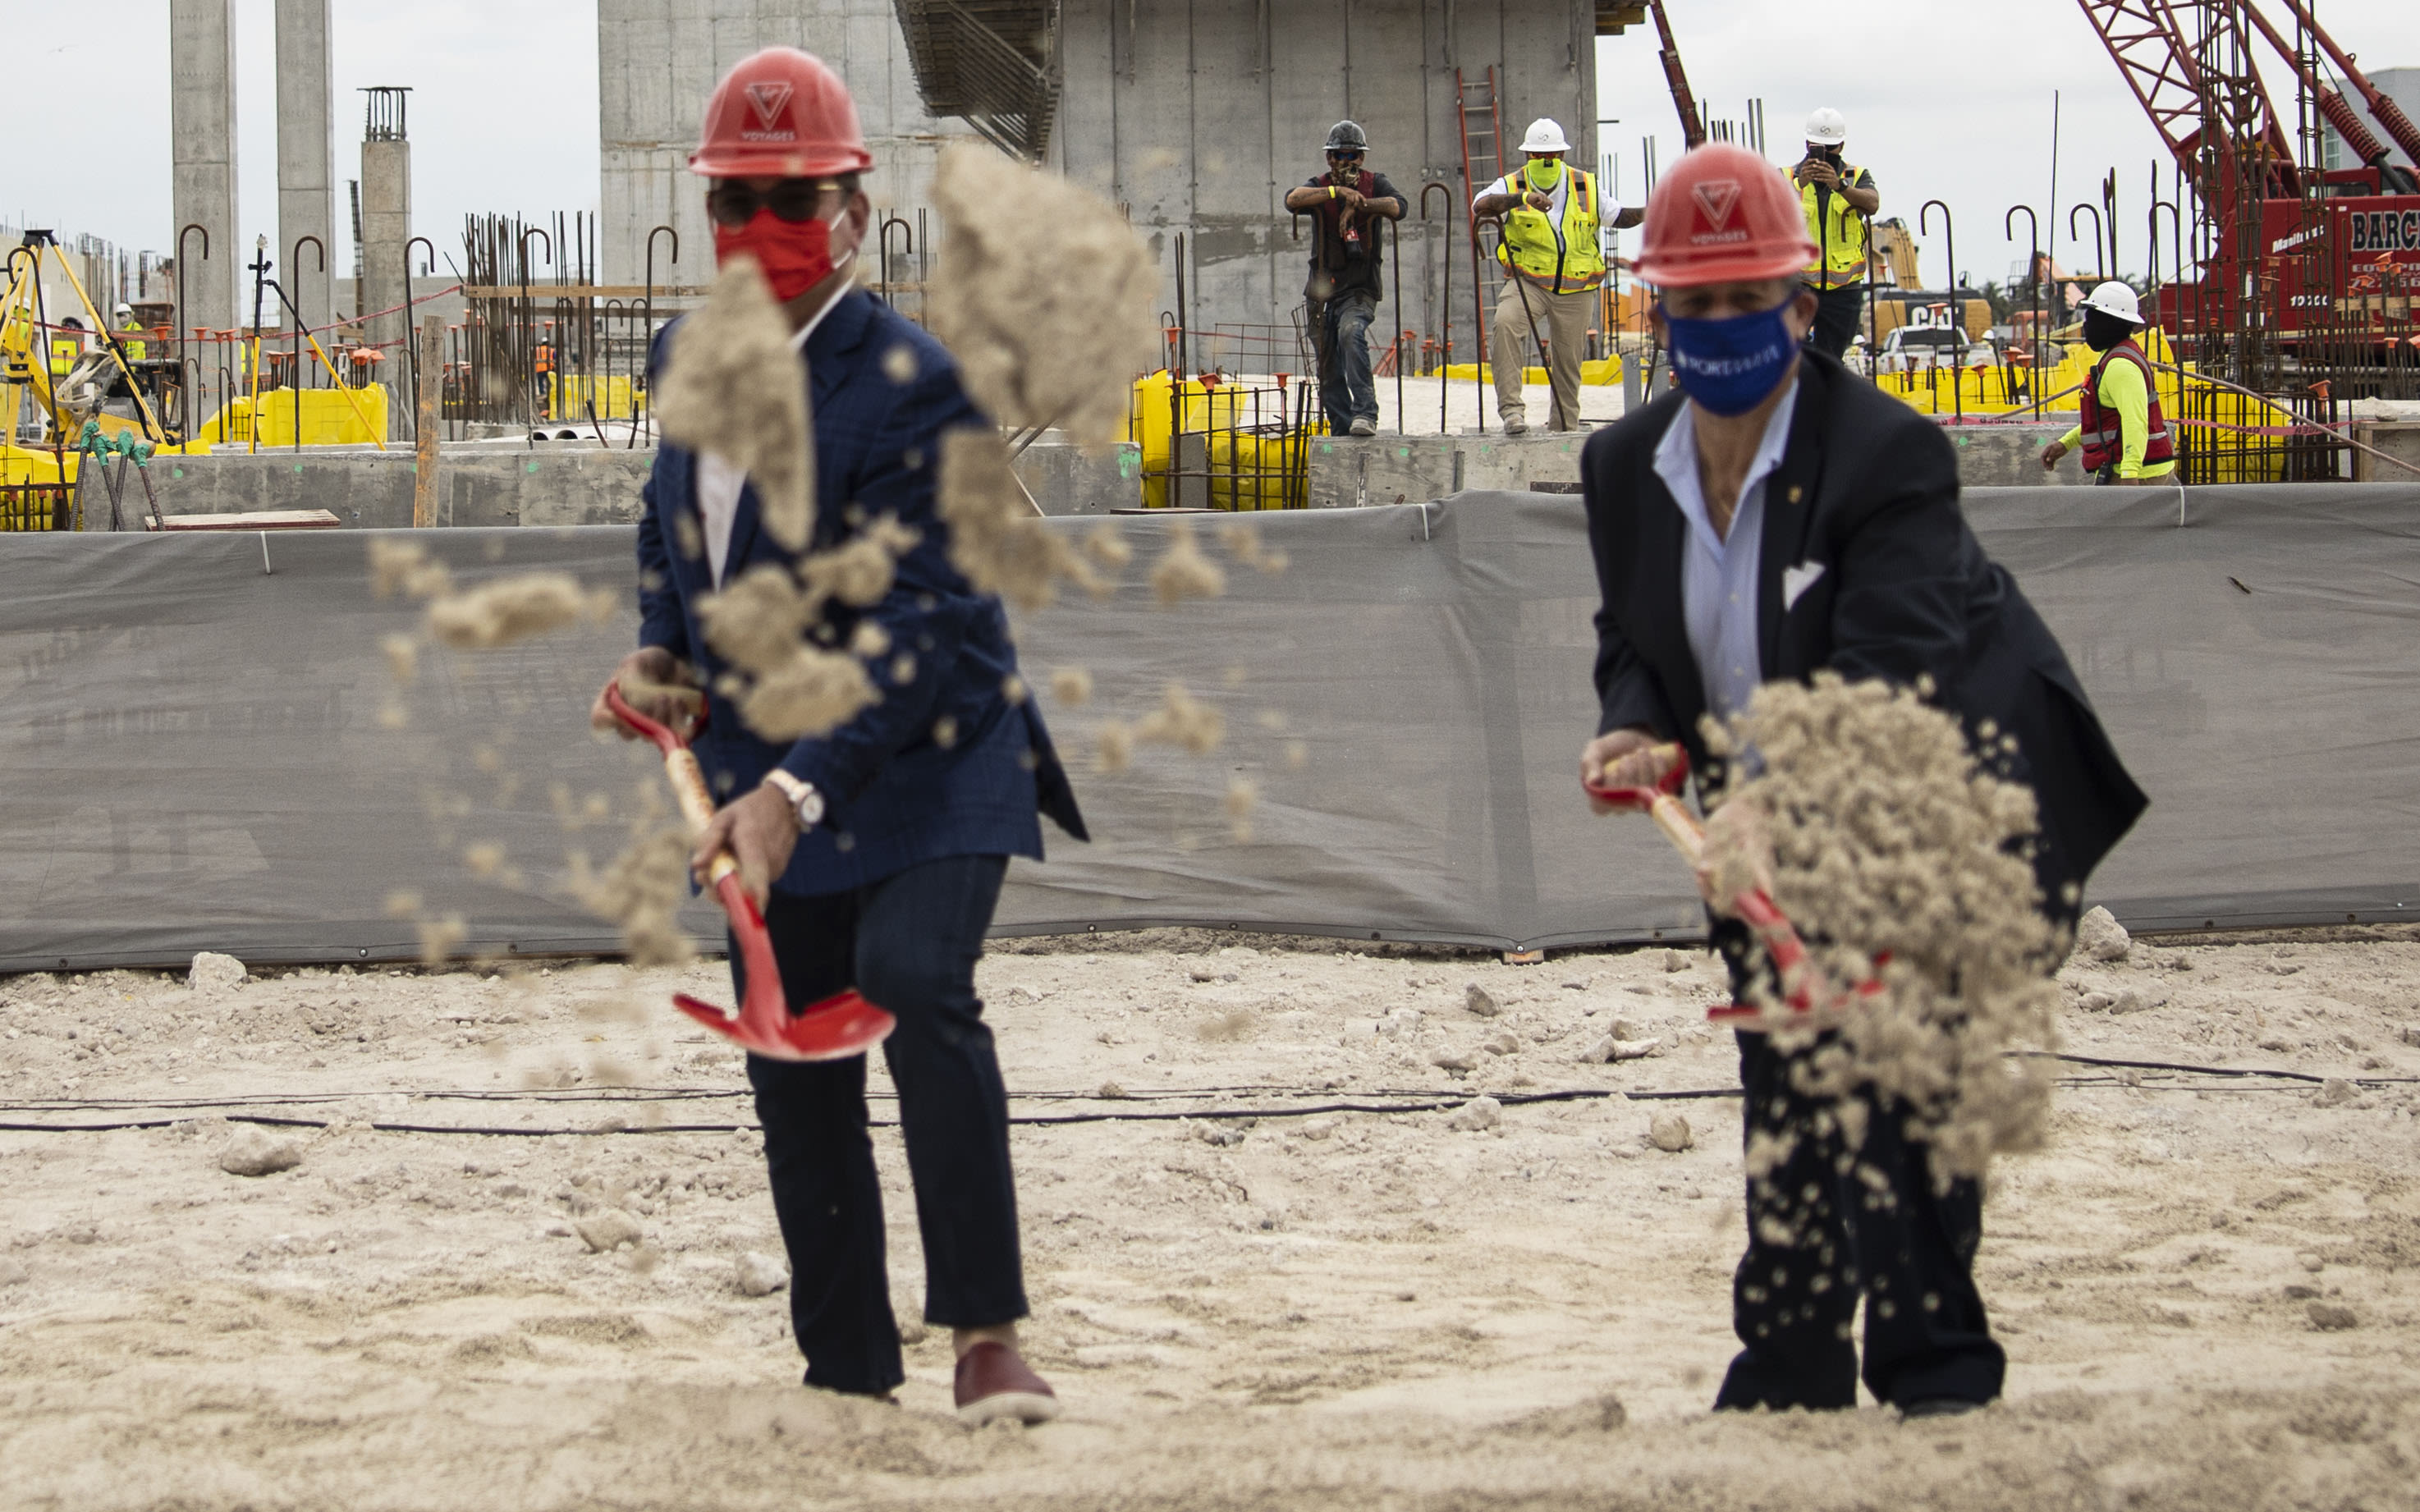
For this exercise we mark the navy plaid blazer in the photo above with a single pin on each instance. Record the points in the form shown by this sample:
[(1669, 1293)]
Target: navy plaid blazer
[(898, 797)]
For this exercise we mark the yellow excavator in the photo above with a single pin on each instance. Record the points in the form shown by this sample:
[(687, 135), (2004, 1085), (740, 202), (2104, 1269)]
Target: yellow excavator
[(67, 401)]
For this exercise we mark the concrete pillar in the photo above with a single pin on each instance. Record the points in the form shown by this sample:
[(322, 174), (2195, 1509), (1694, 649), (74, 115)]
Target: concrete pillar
[(201, 128), (386, 227), (306, 187)]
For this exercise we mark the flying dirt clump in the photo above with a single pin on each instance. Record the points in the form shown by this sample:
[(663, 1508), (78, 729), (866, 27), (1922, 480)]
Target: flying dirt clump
[(515, 608), (1045, 295), (1185, 720), (733, 386), (405, 567), (996, 538), (1902, 861), (1183, 571), (642, 890)]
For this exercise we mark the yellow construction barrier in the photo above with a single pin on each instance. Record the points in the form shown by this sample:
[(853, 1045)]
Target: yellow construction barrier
[(568, 395), (328, 417), (1596, 372), (2233, 458), (1220, 411)]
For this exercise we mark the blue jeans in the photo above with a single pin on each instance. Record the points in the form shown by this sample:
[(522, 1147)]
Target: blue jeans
[(1346, 391), (909, 943)]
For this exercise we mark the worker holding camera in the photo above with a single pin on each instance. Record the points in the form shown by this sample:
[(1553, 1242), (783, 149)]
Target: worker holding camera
[(1839, 199)]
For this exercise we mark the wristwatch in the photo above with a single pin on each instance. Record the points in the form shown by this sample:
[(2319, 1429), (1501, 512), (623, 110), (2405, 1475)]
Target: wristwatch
[(805, 801)]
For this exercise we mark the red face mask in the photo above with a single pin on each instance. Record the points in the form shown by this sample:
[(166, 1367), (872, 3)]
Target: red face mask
[(796, 255)]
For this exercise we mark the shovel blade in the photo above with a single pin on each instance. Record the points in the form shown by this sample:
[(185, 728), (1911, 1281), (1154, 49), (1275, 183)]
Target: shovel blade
[(840, 1027)]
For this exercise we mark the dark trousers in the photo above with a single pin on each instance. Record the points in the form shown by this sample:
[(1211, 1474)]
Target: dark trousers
[(1839, 315), (1347, 389), (1830, 1225), (909, 943)]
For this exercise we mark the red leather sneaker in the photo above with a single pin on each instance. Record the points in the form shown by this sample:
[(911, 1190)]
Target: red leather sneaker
[(993, 1383)]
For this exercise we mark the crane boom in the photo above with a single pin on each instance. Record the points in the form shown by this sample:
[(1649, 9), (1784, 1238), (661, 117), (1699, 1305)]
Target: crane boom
[(2156, 59), (2366, 145), (2388, 113), (1693, 124)]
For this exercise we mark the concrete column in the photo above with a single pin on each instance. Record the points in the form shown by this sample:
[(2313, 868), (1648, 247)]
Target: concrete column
[(201, 117), (386, 226), (306, 188)]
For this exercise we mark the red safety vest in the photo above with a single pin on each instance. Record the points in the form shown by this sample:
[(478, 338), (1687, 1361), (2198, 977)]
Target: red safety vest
[(2104, 436)]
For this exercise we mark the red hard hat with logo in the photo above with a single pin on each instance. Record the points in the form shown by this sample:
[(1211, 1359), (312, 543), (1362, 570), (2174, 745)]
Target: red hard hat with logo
[(781, 114), (1723, 214)]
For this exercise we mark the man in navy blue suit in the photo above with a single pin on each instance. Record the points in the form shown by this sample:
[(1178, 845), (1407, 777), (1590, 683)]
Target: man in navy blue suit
[(877, 851)]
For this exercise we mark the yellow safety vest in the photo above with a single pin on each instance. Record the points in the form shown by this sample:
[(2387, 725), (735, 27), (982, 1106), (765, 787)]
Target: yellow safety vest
[(1566, 257), (64, 350), (1840, 234), (129, 335)]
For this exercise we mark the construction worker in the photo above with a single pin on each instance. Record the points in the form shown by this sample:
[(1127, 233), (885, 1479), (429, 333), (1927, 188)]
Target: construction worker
[(1345, 204), (1775, 519), (1553, 257), (2125, 435), (1839, 200), (876, 852), (66, 346), (130, 332)]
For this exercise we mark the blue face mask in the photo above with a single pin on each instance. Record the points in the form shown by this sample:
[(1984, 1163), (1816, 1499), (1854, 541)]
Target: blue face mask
[(1730, 365)]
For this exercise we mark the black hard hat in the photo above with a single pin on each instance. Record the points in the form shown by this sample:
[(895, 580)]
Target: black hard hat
[(1345, 136)]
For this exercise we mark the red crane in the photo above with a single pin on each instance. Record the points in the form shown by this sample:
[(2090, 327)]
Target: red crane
[(2302, 254)]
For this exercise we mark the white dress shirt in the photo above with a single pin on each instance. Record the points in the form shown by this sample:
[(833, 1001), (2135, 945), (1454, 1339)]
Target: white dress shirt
[(1718, 573), (720, 478)]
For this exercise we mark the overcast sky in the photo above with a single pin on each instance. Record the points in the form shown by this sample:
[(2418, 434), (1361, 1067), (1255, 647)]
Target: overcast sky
[(1946, 99)]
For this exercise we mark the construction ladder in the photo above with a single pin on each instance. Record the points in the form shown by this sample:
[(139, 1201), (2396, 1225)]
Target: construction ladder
[(1482, 120)]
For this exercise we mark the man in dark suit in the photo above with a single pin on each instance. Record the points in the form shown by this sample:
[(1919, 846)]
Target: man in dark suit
[(877, 851), (1776, 517)]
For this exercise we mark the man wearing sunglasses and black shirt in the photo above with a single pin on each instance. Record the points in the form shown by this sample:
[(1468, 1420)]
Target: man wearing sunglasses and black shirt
[(875, 850), (1345, 205)]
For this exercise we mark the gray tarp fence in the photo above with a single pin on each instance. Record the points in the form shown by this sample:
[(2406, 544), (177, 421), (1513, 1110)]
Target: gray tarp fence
[(200, 744)]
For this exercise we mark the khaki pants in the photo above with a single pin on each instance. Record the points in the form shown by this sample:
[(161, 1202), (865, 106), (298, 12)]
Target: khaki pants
[(1563, 319)]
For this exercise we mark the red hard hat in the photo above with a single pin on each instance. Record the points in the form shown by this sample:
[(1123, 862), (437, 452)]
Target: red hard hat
[(781, 114), (1724, 215)]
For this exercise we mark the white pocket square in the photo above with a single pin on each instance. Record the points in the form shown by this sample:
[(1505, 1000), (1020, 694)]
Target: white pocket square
[(1796, 580)]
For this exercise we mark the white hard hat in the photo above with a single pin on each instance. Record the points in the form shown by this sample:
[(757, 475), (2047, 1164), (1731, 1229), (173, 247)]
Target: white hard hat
[(1545, 135), (124, 308), (1828, 127), (2116, 298)]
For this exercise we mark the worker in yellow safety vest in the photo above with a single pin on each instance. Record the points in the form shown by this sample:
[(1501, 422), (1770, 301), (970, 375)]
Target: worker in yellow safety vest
[(1839, 199), (66, 346), (1554, 260), (130, 332)]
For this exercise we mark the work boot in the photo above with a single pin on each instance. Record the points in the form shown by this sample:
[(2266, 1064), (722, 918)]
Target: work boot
[(1516, 426), (1364, 427)]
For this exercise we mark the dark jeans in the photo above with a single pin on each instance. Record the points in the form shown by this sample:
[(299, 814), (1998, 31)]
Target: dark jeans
[(909, 943), (1346, 391), (1839, 315), (1832, 1225)]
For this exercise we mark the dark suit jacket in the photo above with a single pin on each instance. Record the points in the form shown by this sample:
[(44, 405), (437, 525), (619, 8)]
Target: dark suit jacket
[(1866, 490), (897, 797)]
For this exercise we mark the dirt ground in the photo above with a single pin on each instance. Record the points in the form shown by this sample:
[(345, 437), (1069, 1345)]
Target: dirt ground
[(2205, 1283)]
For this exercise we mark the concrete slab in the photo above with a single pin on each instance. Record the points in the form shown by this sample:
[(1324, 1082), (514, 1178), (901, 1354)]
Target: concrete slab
[(2400, 439)]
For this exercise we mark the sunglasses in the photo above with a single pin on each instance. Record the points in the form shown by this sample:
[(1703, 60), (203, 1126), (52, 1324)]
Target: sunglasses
[(1345, 156), (734, 203)]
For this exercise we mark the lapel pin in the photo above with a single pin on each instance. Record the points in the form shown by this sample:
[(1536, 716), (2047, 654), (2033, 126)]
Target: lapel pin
[(1797, 494)]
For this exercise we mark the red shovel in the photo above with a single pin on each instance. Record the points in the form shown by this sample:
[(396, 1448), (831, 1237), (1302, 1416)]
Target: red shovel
[(1800, 980), (836, 1029)]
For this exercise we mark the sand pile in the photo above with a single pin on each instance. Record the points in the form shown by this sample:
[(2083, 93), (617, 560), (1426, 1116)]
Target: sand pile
[(1892, 844), (733, 386), (1044, 293)]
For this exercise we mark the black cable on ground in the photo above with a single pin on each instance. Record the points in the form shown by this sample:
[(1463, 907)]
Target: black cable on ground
[(1407, 1102)]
